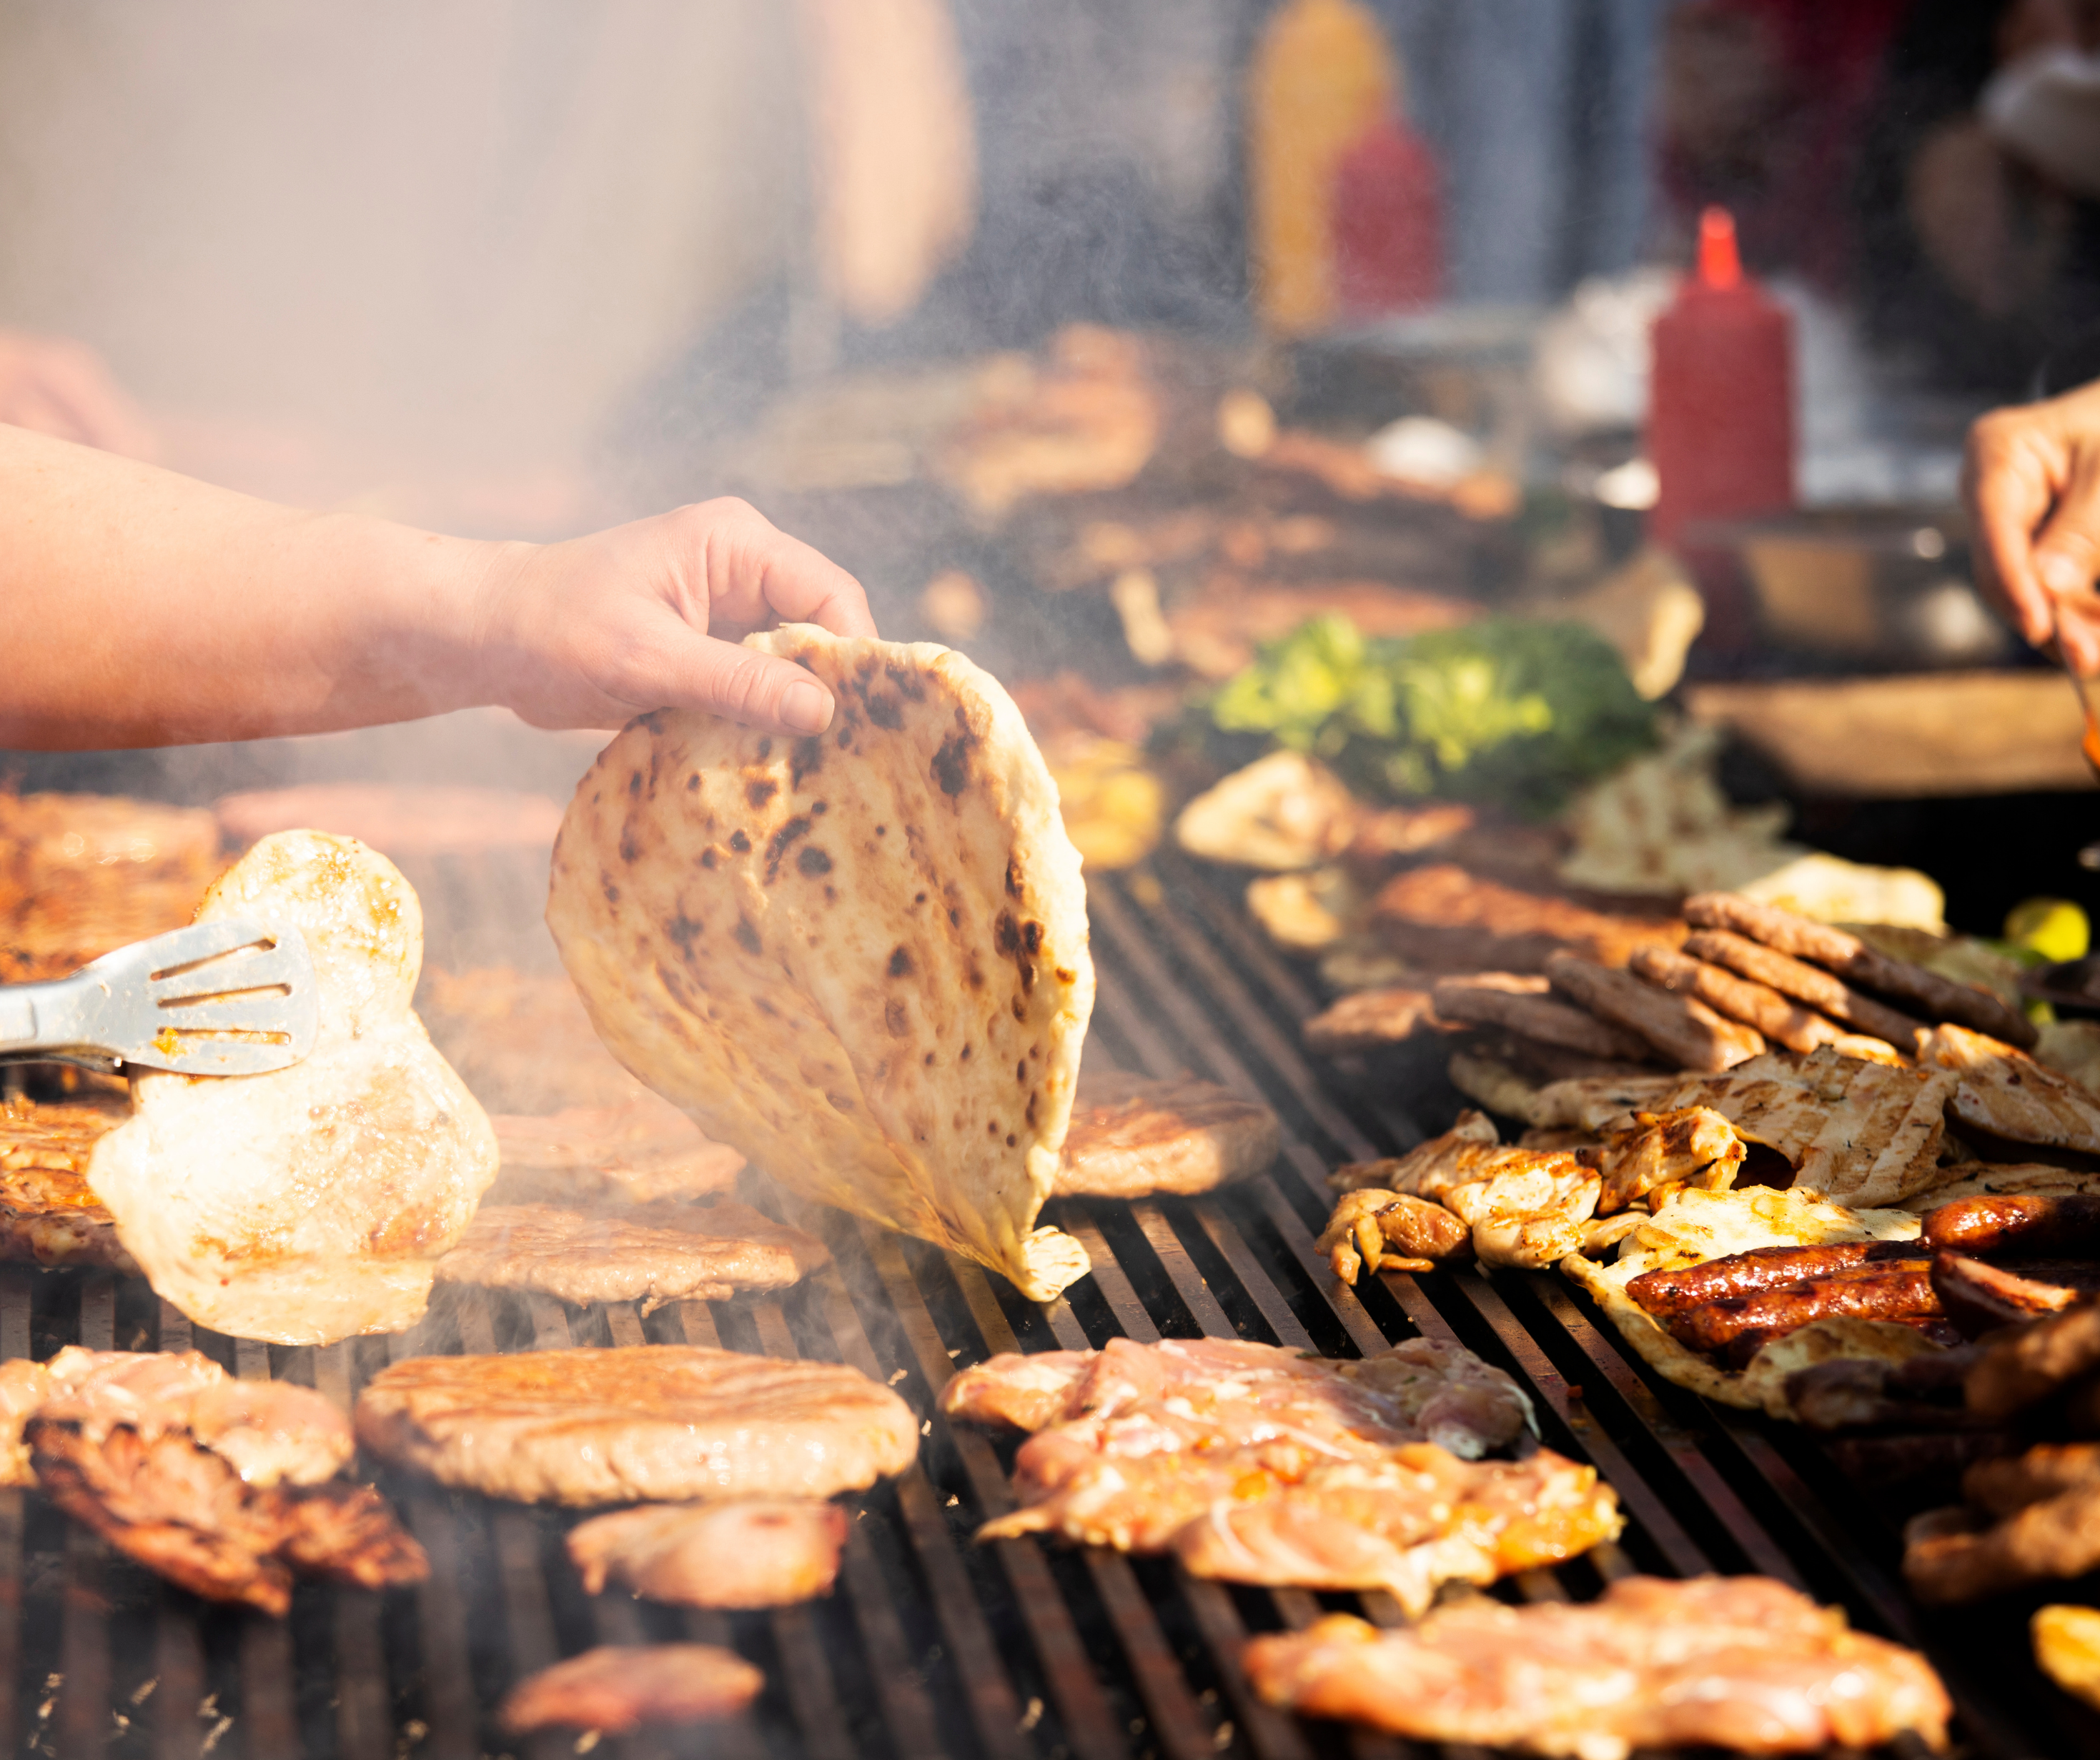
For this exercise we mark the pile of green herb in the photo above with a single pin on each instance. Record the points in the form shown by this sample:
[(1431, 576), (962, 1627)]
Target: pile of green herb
[(1516, 715)]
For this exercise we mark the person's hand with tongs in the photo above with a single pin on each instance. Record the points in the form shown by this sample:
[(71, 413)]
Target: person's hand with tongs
[(141, 608)]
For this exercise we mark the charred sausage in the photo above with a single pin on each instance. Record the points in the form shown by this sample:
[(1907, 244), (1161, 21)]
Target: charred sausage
[(1860, 1291), (1664, 1293), (2065, 1225)]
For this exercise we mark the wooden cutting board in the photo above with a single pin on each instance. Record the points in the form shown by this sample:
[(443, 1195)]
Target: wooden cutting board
[(1911, 735)]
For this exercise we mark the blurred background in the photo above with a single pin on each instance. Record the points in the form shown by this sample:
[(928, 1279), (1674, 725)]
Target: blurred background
[(1146, 349)]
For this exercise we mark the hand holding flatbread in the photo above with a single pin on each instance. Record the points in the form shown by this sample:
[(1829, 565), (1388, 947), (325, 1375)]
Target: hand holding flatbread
[(860, 958)]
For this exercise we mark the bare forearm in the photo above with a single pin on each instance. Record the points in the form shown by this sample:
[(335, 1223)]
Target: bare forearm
[(143, 608)]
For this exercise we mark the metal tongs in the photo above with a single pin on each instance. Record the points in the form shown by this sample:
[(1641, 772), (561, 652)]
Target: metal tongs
[(235, 997)]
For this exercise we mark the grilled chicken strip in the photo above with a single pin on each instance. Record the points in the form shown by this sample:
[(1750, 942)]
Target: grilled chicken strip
[(1367, 1222), (1777, 1017), (616, 1689), (766, 1553), (1937, 998), (651, 1253), (1787, 976), (656, 1422), (1683, 1029), (1521, 1003), (1740, 1662), (1131, 1138), (2004, 1092), (224, 1487)]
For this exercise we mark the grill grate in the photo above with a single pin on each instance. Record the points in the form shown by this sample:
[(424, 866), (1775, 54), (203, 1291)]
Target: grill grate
[(932, 1645)]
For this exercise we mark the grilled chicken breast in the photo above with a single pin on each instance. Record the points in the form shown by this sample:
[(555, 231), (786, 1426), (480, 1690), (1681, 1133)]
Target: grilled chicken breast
[(1739, 1662), (662, 1423), (1131, 1138), (764, 1553), (314, 1203)]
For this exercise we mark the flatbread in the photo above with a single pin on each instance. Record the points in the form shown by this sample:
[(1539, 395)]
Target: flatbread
[(1694, 1226), (860, 958)]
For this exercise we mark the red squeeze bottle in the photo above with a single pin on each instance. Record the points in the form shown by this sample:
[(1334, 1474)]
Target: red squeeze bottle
[(1387, 223), (1720, 412)]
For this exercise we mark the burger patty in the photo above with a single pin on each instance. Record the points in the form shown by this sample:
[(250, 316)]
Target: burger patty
[(1131, 1138), (656, 1423)]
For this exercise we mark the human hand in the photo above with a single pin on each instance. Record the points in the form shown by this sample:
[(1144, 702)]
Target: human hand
[(2032, 480), (53, 386), (591, 632)]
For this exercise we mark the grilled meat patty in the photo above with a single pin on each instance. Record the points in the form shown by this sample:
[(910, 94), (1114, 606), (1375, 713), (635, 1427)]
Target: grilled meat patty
[(652, 1253), (619, 1688), (764, 1553), (639, 1151), (1740, 1662), (1131, 1138), (48, 1215), (662, 1423)]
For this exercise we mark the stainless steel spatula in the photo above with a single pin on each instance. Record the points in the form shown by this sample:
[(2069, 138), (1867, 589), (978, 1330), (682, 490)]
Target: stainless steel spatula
[(231, 998)]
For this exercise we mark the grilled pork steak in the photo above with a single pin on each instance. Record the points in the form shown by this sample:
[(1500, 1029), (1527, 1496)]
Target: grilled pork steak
[(662, 1423), (1131, 1138), (225, 1487), (765, 1553), (1256, 1464), (1740, 1662), (616, 1689), (652, 1253)]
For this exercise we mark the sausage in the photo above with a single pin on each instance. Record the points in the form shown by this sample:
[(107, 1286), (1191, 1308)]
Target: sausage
[(1664, 1293), (2064, 1224), (1979, 1298), (1806, 984), (1861, 1292), (1941, 998)]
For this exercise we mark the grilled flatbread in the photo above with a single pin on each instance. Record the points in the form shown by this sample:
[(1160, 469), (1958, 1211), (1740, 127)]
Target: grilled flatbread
[(861, 959)]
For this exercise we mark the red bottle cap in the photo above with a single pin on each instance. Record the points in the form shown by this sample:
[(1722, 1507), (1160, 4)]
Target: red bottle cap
[(1720, 264)]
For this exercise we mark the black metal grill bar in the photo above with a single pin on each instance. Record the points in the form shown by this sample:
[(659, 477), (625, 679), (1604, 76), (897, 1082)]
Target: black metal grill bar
[(1020, 1651)]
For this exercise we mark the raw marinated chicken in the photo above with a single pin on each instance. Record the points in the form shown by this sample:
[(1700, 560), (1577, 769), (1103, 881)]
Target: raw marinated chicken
[(224, 1487), (1256, 1464), (619, 1688), (312, 1203), (1740, 1662), (766, 1553)]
